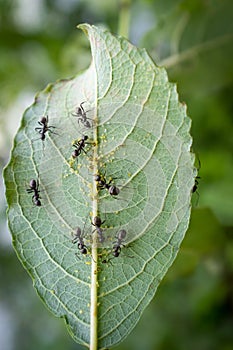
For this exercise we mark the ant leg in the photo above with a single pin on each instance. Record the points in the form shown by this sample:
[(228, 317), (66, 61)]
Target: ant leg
[(40, 130), (54, 127), (77, 256), (33, 199), (81, 106), (53, 132), (93, 259)]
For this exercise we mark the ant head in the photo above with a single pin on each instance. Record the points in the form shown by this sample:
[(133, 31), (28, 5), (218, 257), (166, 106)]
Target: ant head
[(43, 120), (97, 221), (97, 177), (85, 137)]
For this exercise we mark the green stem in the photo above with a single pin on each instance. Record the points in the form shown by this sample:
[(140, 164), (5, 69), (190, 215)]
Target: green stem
[(194, 51), (94, 311), (124, 18)]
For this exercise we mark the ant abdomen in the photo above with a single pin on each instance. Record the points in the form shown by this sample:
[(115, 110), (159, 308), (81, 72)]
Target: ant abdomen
[(113, 190)]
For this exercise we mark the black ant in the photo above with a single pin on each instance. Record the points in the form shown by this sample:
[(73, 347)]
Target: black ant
[(79, 239), (79, 146), (117, 245), (97, 223), (194, 189), (82, 116), (42, 130), (196, 181), (34, 187), (102, 184), (116, 249)]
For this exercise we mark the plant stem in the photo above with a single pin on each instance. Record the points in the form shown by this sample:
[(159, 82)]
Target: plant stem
[(194, 51), (93, 311), (124, 18)]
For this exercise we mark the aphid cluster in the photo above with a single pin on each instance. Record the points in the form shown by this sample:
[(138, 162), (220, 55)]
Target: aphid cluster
[(102, 184)]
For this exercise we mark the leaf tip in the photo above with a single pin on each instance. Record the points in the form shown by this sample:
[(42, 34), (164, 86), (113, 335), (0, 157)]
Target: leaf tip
[(84, 27)]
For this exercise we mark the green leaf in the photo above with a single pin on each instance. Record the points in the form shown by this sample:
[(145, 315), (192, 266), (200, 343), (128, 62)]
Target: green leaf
[(140, 137)]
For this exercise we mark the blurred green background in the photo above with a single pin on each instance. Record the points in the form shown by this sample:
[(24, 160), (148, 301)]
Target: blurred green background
[(193, 307)]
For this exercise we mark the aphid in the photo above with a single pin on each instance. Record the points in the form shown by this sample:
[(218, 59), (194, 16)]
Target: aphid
[(103, 184), (34, 187), (97, 223), (79, 239), (106, 261), (82, 116), (42, 130), (118, 244), (79, 146)]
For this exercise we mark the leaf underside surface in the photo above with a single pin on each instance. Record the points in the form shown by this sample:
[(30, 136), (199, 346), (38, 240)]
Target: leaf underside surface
[(139, 140)]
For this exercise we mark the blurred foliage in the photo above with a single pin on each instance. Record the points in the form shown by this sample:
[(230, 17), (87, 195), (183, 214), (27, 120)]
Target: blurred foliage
[(193, 40)]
